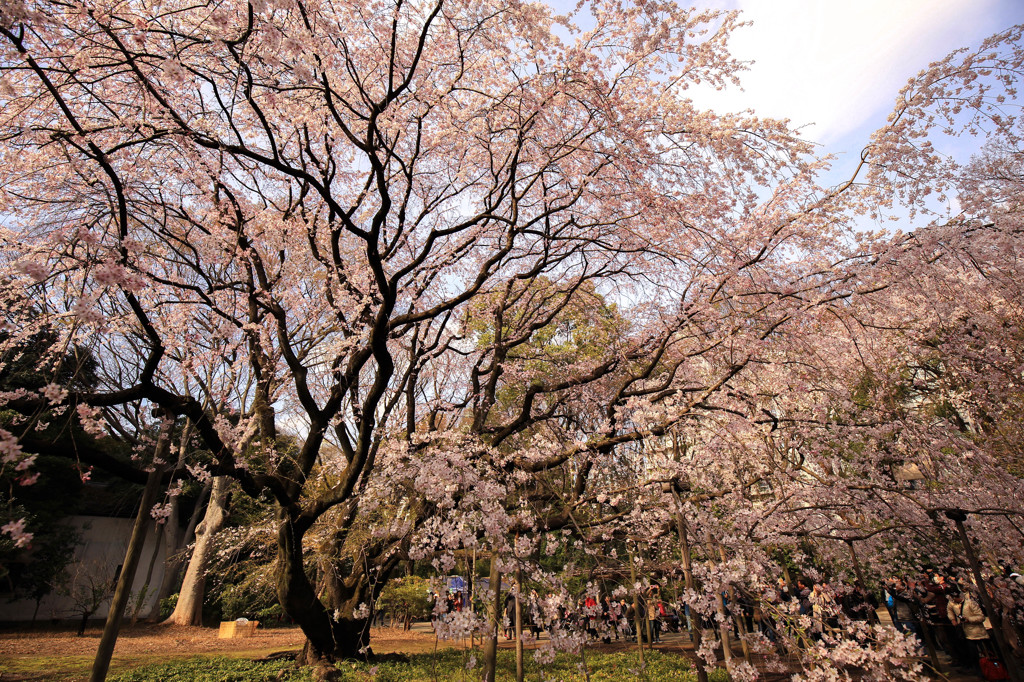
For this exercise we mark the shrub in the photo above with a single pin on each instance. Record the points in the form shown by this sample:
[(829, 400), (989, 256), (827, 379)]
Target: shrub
[(167, 606), (410, 595)]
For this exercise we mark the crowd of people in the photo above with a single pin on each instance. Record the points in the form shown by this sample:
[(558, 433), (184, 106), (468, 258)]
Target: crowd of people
[(606, 619), (944, 612)]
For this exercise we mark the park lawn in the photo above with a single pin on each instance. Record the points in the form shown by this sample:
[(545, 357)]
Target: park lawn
[(154, 653), (71, 668), (58, 654), (448, 665), (35, 667)]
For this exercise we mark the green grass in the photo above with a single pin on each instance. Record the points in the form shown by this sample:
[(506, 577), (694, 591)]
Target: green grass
[(444, 666), (46, 667), (78, 667), (213, 669)]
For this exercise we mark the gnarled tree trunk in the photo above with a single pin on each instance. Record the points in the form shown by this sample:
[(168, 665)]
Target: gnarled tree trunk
[(328, 638), (335, 615)]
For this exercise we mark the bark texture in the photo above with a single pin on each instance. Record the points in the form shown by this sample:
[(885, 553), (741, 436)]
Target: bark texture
[(189, 609)]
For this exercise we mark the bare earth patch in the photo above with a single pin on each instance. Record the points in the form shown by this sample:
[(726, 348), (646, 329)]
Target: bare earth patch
[(57, 654)]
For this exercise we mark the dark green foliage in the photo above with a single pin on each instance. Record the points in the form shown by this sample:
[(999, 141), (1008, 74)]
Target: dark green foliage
[(52, 551), (409, 596), (77, 368), (167, 606), (35, 571), (255, 600)]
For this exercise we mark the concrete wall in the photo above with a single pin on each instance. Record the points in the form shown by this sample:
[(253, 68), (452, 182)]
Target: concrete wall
[(104, 541)]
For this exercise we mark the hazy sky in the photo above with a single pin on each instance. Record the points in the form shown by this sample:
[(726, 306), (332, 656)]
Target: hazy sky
[(835, 66), (838, 65)]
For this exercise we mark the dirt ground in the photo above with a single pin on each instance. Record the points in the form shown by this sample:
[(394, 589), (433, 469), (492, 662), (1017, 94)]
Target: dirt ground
[(47, 653), (35, 655), (58, 654), (158, 639)]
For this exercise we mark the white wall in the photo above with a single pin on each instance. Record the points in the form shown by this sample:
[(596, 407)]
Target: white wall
[(104, 541)]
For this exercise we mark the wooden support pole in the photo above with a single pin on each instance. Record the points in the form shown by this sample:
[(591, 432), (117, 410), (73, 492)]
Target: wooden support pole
[(494, 624), (519, 623), (684, 552), (1003, 647), (101, 664)]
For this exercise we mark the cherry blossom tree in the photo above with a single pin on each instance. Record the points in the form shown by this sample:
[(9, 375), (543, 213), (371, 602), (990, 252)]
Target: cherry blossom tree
[(473, 255), (301, 199)]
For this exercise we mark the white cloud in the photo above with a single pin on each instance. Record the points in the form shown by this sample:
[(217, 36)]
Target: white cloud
[(836, 64)]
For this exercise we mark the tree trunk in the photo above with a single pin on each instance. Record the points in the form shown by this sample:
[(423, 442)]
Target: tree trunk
[(348, 639), (491, 642), (139, 601), (1002, 646), (724, 633), (173, 544), (105, 650), (328, 637), (471, 592), (84, 622), (695, 618), (872, 616), (519, 624), (636, 608), (175, 541), (738, 616), (327, 614), (189, 609)]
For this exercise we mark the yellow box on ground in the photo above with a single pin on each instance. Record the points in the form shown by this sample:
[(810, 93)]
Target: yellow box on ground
[(237, 628)]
